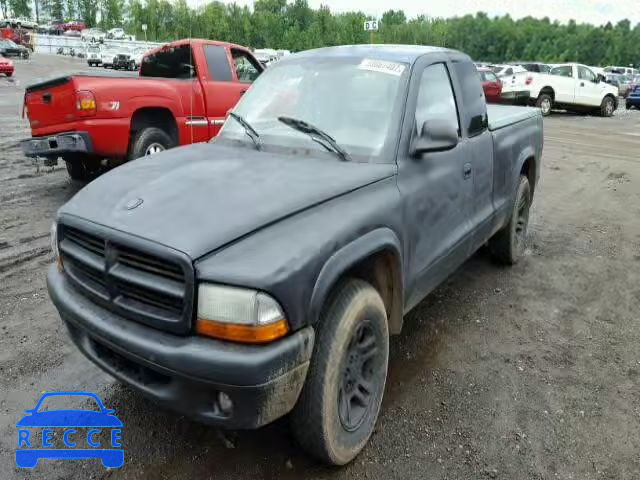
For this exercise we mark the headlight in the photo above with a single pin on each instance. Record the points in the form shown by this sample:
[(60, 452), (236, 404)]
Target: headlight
[(239, 315), (54, 245)]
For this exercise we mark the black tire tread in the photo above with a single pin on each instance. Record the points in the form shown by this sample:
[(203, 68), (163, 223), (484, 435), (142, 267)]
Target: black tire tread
[(500, 244), (146, 136), (307, 424)]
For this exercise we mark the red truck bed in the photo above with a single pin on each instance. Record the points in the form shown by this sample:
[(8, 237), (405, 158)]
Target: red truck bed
[(182, 96)]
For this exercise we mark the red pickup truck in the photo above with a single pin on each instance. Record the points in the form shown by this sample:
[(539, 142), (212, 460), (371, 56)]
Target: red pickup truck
[(182, 95)]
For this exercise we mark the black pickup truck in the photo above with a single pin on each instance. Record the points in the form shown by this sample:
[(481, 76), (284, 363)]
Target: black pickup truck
[(262, 274)]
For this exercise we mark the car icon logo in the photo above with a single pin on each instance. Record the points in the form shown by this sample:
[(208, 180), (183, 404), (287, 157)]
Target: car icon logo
[(82, 433)]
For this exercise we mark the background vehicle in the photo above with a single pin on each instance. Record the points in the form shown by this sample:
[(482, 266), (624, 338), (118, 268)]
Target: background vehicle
[(124, 59), (506, 70), (108, 55), (491, 86), (92, 35), (116, 34), (621, 70), (9, 48), (265, 56), (534, 66), (573, 87), (94, 55), (74, 26), (72, 33), (6, 66), (633, 97), (183, 96), (365, 207)]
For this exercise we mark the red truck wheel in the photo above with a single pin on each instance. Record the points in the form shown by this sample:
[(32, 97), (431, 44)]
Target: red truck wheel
[(148, 141)]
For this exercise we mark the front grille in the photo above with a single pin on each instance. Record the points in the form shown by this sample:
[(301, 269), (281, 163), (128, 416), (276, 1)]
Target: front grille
[(147, 285)]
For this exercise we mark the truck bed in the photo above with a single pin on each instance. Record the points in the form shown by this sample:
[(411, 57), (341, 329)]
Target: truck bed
[(501, 116)]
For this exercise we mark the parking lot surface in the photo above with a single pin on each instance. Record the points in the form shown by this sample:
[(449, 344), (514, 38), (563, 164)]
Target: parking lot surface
[(530, 372)]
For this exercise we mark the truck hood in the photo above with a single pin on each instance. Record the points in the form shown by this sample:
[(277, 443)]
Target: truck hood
[(198, 198)]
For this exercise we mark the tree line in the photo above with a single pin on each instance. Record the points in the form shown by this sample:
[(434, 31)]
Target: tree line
[(295, 26)]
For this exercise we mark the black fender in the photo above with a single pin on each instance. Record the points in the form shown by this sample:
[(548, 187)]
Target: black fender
[(375, 241)]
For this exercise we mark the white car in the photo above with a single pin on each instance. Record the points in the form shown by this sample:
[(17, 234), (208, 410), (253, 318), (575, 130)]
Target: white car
[(571, 86), (92, 35), (94, 55), (108, 55), (116, 34), (506, 70), (621, 70)]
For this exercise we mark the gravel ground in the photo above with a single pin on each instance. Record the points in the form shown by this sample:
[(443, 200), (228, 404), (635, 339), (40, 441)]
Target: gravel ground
[(529, 372)]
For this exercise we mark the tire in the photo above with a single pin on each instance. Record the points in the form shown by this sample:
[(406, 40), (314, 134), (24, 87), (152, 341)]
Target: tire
[(146, 140), (607, 107), (351, 355), (79, 169), (507, 245), (9, 74), (545, 103)]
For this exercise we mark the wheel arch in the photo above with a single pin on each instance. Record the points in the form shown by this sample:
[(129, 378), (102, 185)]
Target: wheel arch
[(160, 117), (375, 257)]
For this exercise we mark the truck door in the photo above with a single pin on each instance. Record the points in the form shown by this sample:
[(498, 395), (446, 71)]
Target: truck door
[(479, 144), (230, 74), (564, 83), (435, 188), (588, 91)]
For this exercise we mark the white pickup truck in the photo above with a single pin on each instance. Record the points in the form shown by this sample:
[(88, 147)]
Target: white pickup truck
[(573, 87)]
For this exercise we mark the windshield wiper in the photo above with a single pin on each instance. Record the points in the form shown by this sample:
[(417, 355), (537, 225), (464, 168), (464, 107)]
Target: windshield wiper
[(317, 135), (249, 130)]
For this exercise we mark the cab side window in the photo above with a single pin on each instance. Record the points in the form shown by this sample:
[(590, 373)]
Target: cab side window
[(246, 68), (566, 71), (472, 97), (435, 97), (217, 63), (586, 74)]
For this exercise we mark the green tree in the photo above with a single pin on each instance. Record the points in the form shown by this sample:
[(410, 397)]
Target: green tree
[(20, 8)]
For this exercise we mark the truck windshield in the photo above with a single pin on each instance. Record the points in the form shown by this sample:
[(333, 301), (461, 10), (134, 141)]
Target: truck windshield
[(352, 100)]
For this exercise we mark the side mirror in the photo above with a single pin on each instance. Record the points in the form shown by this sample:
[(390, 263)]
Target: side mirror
[(435, 136)]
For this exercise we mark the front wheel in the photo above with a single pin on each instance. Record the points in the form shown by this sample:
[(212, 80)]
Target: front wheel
[(608, 107), (507, 245), (340, 401)]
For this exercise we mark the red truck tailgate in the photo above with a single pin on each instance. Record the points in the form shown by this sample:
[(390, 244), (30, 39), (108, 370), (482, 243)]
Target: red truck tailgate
[(52, 102)]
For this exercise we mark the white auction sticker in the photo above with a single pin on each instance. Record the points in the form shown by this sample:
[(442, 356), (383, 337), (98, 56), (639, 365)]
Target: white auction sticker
[(392, 68)]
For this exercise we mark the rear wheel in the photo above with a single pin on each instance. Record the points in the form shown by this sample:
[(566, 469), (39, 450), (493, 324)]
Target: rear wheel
[(545, 103), (339, 404), (607, 107), (507, 245), (148, 141)]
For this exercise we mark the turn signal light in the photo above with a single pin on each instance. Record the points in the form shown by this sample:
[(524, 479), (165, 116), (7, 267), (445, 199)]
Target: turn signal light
[(85, 103), (242, 333)]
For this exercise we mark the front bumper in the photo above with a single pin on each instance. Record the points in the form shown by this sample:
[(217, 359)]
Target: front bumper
[(186, 373), (56, 145)]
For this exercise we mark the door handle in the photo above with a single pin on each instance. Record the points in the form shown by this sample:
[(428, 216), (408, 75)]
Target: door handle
[(242, 92), (582, 84), (466, 170)]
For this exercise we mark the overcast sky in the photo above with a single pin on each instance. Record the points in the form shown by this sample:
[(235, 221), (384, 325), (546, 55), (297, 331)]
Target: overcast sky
[(583, 11)]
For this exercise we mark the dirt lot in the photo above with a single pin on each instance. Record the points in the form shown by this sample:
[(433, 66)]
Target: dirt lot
[(525, 373)]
